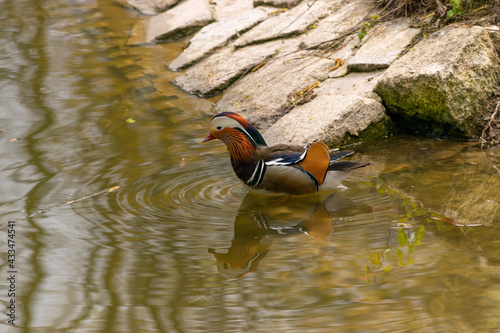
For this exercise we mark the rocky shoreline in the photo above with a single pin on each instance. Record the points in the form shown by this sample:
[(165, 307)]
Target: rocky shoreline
[(329, 70)]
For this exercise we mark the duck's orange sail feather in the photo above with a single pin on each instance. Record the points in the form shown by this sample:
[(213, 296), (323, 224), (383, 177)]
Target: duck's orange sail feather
[(317, 161)]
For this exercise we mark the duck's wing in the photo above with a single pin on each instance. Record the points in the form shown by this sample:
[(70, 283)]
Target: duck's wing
[(346, 165), (281, 155), (316, 161), (313, 161), (339, 155), (335, 165)]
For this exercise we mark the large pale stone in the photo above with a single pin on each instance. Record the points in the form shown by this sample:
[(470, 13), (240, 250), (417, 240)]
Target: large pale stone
[(276, 3), (150, 7), (327, 118), (293, 21), (343, 53), (344, 17), (265, 95), (215, 73), (382, 45), (445, 79), (225, 9), (218, 34), (343, 106), (358, 84), (494, 32), (176, 23)]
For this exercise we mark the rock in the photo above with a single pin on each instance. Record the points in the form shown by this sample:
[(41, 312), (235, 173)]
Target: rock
[(494, 32), (344, 52), (277, 3), (176, 23), (265, 95), (344, 17), (358, 84), (218, 34), (225, 9), (293, 21), (344, 107), (445, 79), (327, 118), (150, 7), (382, 45), (215, 73)]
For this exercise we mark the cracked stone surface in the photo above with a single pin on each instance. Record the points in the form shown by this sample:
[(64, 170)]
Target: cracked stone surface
[(176, 23), (264, 96), (344, 17), (225, 9), (293, 21), (359, 84), (395, 36), (326, 118), (215, 73), (345, 52), (342, 106), (218, 34), (277, 3), (150, 7)]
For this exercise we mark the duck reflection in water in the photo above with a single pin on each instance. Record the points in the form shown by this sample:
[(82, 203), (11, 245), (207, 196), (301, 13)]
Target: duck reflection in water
[(262, 218)]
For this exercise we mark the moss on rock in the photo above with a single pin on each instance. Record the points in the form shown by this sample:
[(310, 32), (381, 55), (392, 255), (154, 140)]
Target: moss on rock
[(373, 133), (446, 79)]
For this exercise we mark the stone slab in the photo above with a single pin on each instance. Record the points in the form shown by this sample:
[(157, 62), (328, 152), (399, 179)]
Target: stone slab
[(345, 51), (358, 84), (150, 7), (327, 118), (264, 96), (344, 17), (218, 34), (276, 3), (225, 9), (494, 32), (382, 45), (446, 79), (215, 73), (293, 21), (344, 105), (178, 22)]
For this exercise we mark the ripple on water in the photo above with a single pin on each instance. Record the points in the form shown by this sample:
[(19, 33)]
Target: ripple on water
[(180, 193)]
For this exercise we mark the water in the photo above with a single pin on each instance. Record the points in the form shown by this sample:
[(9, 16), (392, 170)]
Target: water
[(139, 227)]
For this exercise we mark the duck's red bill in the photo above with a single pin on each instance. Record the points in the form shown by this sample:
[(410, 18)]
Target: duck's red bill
[(209, 137)]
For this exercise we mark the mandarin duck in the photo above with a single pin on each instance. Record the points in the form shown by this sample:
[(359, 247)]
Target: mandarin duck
[(282, 168)]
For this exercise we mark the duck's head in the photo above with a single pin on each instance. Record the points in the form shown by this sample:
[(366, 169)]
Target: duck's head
[(231, 128)]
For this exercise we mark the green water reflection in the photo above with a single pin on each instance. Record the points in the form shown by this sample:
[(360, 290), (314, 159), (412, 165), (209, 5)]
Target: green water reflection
[(409, 244)]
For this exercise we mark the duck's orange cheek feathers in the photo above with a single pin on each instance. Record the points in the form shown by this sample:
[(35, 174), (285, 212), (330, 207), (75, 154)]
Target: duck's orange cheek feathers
[(209, 137)]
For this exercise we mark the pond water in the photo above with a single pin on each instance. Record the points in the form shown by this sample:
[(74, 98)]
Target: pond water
[(125, 222)]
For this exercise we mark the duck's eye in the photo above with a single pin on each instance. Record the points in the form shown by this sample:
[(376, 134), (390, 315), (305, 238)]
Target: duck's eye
[(218, 128)]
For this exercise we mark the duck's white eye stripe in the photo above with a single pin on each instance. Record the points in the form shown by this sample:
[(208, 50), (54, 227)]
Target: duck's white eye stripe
[(248, 135), (227, 122)]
